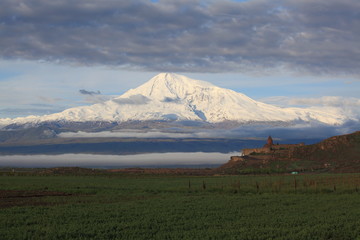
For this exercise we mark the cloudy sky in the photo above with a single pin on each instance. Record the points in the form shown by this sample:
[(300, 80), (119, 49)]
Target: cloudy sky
[(64, 53)]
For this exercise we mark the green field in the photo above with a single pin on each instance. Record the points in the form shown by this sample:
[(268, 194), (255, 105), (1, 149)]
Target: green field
[(114, 206)]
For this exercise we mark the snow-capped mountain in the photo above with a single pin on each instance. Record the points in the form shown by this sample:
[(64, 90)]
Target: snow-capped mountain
[(169, 96)]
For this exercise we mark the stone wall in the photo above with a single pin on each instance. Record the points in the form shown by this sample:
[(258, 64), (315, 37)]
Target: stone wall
[(286, 146), (248, 151)]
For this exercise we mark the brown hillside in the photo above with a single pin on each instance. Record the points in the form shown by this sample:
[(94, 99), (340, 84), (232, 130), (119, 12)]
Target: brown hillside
[(338, 154), (335, 154)]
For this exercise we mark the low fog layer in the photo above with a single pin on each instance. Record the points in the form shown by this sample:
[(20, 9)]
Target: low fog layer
[(117, 161), (300, 130)]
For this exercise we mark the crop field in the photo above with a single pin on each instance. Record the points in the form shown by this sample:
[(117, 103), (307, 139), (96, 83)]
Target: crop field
[(120, 206)]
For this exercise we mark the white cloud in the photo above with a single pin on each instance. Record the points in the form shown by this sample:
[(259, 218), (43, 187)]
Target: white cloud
[(137, 99), (110, 161), (333, 101), (147, 134), (124, 134), (350, 106)]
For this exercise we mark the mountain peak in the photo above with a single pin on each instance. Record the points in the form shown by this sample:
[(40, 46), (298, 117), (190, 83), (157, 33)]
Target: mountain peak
[(177, 78), (170, 96), (168, 85), (168, 76)]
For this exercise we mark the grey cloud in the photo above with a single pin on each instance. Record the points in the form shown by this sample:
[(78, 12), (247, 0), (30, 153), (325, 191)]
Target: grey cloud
[(187, 36), (94, 97), (171, 100), (85, 92), (134, 99)]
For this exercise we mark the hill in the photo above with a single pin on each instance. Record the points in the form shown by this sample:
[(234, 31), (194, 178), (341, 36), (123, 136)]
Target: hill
[(335, 154)]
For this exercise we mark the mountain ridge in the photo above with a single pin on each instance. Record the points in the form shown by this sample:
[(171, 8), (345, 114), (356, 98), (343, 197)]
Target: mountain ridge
[(173, 97)]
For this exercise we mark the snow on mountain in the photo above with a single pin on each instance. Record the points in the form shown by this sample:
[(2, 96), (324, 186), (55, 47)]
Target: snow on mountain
[(169, 96)]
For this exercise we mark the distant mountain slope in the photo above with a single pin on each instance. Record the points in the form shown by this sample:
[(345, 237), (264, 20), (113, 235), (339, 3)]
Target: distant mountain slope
[(335, 154), (173, 97)]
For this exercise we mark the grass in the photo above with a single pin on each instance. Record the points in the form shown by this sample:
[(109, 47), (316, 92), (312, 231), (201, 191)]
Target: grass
[(170, 207)]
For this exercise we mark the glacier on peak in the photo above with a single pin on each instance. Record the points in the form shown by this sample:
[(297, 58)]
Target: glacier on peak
[(170, 97), (168, 85)]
